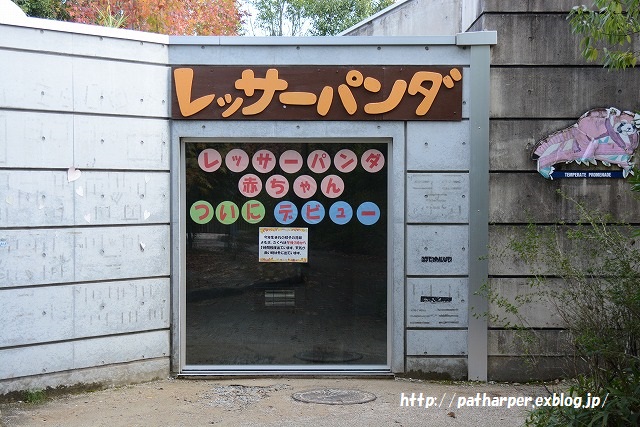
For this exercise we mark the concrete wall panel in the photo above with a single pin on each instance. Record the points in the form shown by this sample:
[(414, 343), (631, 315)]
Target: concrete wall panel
[(530, 5), (36, 256), (64, 356), (302, 54), (559, 92), (438, 368), (534, 310), (43, 256), (67, 312), (437, 198), (437, 146), (437, 250), (122, 197), (37, 198), (46, 198), (503, 260), (416, 17), (543, 39), (512, 140), (47, 140), (121, 252), (36, 39), (526, 197), (78, 44), (100, 376), (436, 343), (36, 81), (120, 49), (35, 140), (437, 303), (523, 368), (294, 131), (109, 87), (121, 143), (582, 254), (531, 342)]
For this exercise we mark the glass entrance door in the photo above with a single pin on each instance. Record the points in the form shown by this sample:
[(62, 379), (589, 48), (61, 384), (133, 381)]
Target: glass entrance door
[(286, 255)]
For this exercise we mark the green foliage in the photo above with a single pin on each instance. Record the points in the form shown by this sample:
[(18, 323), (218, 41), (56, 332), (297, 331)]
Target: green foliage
[(608, 28), (34, 396), (49, 9), (634, 180), (598, 263), (279, 17), (106, 18), (315, 17), (620, 405), (330, 17)]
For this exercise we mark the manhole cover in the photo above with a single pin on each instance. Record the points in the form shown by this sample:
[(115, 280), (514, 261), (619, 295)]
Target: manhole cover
[(333, 396)]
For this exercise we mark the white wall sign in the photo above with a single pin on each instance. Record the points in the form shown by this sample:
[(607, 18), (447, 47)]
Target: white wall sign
[(283, 244)]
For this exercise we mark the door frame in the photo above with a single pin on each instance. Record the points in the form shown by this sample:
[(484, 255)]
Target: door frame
[(392, 133)]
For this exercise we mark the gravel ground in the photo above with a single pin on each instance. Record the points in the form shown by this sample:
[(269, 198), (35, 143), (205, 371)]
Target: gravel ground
[(269, 402)]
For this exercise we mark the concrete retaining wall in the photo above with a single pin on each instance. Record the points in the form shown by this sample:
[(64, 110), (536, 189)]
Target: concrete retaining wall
[(540, 84), (84, 206)]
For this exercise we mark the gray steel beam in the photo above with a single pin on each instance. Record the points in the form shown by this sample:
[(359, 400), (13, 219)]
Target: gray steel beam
[(479, 210)]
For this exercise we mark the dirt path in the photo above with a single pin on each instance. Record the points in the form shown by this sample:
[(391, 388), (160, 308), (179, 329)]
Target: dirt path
[(268, 402)]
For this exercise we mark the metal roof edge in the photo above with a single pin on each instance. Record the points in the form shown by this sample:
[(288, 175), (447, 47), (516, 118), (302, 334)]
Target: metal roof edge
[(475, 38), (86, 29), (312, 41)]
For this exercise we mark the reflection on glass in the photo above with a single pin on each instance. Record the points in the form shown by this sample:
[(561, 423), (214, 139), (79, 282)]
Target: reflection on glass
[(331, 309)]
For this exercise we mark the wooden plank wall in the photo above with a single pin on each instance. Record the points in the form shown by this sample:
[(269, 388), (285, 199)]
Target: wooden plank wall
[(540, 84), (84, 252)]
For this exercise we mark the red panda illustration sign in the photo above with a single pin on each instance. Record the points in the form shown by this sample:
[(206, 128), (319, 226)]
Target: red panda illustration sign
[(605, 134)]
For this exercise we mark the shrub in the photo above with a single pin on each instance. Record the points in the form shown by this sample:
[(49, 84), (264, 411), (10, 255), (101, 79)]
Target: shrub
[(598, 262)]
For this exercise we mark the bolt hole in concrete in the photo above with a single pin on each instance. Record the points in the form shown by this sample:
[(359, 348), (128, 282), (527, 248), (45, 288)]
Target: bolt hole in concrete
[(333, 396)]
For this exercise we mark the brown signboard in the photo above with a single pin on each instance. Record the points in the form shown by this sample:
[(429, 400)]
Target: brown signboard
[(317, 93)]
